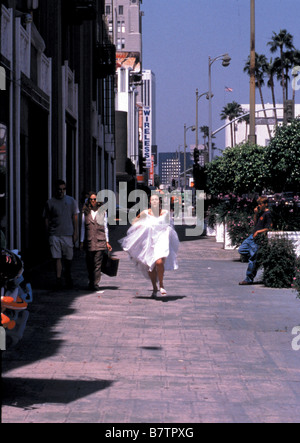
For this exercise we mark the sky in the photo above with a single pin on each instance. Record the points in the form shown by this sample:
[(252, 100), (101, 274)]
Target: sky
[(179, 36)]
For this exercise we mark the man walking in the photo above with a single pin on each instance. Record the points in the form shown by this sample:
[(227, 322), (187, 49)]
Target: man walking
[(61, 219), (249, 248)]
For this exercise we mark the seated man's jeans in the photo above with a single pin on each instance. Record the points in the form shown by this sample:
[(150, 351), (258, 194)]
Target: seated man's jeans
[(249, 249)]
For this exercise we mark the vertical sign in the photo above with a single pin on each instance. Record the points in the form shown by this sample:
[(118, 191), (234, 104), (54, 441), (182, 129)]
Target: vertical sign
[(151, 175), (147, 136)]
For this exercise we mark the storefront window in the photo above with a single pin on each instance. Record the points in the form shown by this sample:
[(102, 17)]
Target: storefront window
[(3, 190)]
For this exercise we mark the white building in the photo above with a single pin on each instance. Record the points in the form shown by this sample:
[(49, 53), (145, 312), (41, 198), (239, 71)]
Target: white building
[(264, 127), (124, 23)]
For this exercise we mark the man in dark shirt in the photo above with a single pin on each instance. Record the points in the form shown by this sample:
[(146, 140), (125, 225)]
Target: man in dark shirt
[(263, 223)]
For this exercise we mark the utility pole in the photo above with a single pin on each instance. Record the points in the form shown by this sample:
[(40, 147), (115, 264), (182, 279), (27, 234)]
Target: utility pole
[(252, 135)]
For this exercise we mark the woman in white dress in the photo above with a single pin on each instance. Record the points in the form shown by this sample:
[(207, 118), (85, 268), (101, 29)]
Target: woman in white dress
[(152, 243)]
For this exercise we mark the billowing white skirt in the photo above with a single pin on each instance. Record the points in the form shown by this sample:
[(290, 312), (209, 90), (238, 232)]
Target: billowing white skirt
[(146, 243)]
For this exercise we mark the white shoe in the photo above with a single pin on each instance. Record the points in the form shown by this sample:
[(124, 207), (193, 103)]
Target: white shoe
[(163, 291)]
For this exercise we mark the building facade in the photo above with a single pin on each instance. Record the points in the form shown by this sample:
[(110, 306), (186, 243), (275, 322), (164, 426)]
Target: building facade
[(57, 114), (171, 168), (238, 132), (124, 20), (124, 23)]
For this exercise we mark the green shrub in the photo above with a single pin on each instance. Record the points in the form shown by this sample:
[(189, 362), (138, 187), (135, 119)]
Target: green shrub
[(296, 279), (278, 259)]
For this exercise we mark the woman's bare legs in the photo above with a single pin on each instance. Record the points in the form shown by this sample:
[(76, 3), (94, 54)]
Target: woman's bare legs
[(158, 274), (160, 269), (153, 278)]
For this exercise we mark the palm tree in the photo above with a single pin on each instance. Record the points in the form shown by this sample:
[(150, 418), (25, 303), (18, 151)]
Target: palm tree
[(245, 118), (261, 66), (271, 71), (230, 112), (205, 132), (282, 40)]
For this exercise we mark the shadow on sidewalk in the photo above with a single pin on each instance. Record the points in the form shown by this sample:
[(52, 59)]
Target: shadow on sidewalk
[(163, 299), (40, 340), (23, 393)]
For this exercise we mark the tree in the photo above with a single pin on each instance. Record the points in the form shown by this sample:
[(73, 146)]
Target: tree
[(219, 179), (241, 170), (245, 119), (261, 67), (282, 40), (271, 72), (283, 159), (230, 112), (205, 132), (248, 168)]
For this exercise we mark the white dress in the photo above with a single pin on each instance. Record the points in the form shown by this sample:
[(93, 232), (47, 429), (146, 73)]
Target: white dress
[(150, 239)]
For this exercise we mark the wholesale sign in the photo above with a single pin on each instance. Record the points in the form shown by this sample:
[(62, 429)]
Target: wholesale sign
[(147, 136)]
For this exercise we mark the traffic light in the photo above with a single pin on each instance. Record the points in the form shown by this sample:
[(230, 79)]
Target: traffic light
[(199, 177), (289, 111), (196, 155)]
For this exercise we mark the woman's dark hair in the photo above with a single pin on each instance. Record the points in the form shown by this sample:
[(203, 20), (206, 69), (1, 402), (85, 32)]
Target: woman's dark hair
[(88, 206)]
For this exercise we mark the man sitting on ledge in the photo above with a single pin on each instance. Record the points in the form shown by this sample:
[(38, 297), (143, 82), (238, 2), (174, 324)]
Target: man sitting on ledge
[(249, 248)]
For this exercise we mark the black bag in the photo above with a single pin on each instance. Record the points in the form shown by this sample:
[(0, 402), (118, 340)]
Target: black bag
[(110, 265)]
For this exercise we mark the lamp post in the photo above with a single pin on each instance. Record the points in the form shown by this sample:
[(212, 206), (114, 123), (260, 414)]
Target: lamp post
[(226, 62), (197, 100), (184, 167)]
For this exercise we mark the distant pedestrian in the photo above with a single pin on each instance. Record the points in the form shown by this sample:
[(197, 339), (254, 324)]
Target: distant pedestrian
[(94, 238), (61, 219), (249, 248), (152, 243)]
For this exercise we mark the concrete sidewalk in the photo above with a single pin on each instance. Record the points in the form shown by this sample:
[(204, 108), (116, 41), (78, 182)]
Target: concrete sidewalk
[(210, 351)]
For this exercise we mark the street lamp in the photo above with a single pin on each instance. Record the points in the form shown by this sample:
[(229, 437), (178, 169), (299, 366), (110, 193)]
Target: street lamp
[(225, 62), (197, 100), (193, 128)]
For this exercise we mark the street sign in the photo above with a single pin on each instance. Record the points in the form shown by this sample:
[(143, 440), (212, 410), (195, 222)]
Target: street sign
[(265, 121)]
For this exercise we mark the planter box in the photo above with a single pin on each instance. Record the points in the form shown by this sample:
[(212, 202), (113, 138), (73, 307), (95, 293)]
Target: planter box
[(227, 242), (220, 232), (294, 236), (211, 232)]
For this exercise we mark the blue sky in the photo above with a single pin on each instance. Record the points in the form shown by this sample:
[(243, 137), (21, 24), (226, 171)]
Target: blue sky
[(178, 38)]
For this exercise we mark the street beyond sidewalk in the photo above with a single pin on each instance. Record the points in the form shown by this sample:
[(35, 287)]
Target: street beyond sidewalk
[(211, 351)]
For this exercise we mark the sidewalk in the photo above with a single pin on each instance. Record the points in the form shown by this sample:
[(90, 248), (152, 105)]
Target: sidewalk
[(211, 351)]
